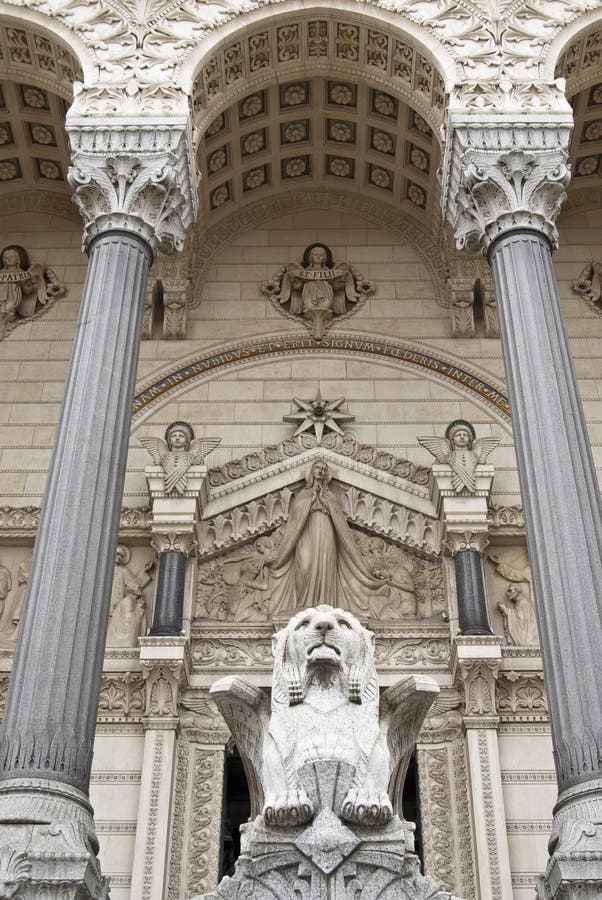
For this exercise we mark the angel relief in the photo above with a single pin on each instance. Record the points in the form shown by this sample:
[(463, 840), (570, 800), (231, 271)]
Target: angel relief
[(176, 456), (462, 452), (313, 556), (318, 290), (25, 290)]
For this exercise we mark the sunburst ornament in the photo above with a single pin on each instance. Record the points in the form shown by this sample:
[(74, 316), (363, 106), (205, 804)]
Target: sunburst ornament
[(318, 415)]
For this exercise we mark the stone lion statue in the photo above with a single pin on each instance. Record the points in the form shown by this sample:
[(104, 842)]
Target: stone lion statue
[(325, 710)]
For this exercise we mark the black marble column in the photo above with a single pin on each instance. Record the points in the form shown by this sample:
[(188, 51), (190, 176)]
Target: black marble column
[(473, 615), (169, 601)]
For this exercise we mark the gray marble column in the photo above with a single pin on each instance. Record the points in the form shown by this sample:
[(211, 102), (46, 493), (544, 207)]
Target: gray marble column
[(511, 181), (49, 722), (132, 204), (561, 498)]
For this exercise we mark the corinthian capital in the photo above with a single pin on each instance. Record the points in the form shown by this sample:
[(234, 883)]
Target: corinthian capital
[(135, 174), (503, 175)]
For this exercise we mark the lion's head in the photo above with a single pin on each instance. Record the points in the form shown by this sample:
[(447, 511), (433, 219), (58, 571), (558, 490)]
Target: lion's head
[(323, 641)]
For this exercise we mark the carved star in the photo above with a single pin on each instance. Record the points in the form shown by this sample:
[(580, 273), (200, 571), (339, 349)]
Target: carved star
[(318, 415)]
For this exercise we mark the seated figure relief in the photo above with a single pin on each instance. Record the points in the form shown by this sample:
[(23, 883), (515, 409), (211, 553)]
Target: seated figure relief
[(316, 557)]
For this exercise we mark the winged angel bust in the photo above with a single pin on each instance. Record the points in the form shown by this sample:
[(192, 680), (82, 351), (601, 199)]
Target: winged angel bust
[(321, 760), (179, 453), (318, 290), (462, 452)]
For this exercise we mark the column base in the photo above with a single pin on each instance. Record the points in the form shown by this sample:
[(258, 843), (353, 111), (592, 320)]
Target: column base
[(48, 846), (574, 870)]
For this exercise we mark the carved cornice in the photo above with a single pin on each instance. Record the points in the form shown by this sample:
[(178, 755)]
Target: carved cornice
[(502, 175), (134, 176), (509, 97)]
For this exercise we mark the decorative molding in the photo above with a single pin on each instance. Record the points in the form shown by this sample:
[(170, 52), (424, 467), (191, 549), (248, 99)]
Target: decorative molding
[(505, 176), (22, 521), (205, 825), (521, 695), (490, 810), (509, 97), (121, 696), (506, 519), (134, 177), (459, 376), (250, 649), (346, 445), (440, 853)]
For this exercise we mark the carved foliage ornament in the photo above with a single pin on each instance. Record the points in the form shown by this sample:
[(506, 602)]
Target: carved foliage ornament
[(318, 291), (26, 290), (139, 178)]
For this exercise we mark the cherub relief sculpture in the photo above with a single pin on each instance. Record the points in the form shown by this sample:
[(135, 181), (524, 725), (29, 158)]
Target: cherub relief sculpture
[(462, 452), (179, 453), (520, 623), (324, 760), (589, 284), (128, 614), (24, 289), (318, 291)]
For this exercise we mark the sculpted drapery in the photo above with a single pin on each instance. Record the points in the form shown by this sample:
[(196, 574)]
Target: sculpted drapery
[(318, 560)]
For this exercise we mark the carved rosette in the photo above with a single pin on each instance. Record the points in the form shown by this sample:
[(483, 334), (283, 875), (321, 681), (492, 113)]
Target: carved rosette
[(136, 176), (173, 542), (503, 176)]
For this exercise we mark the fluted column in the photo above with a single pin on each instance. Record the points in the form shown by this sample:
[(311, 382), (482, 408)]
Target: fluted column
[(132, 203), (506, 202)]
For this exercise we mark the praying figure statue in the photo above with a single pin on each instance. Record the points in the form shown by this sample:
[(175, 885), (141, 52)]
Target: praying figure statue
[(318, 559), (179, 453), (520, 623), (462, 452), (318, 290)]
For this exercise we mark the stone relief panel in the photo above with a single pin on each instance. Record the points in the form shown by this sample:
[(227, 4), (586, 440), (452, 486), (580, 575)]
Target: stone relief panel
[(26, 290), (588, 285), (510, 595), (318, 291), (14, 577), (131, 596), (313, 556)]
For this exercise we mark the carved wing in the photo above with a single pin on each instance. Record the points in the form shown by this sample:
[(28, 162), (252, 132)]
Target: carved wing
[(246, 710), (156, 447), (440, 447), (403, 708), (483, 447), (202, 447)]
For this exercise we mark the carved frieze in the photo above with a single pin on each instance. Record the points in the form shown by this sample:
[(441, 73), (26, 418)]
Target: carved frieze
[(318, 291), (521, 695), (346, 445), (26, 291), (506, 518), (121, 695), (23, 521), (219, 647)]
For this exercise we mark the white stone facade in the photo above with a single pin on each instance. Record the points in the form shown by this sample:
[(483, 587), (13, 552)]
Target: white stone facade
[(324, 125)]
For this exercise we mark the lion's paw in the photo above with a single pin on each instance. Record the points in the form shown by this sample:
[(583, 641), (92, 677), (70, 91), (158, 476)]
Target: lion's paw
[(288, 808), (364, 807)]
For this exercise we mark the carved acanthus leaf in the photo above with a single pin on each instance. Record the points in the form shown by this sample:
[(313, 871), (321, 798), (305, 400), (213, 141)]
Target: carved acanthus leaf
[(174, 542), (162, 680), (134, 177), (459, 541), (505, 177)]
